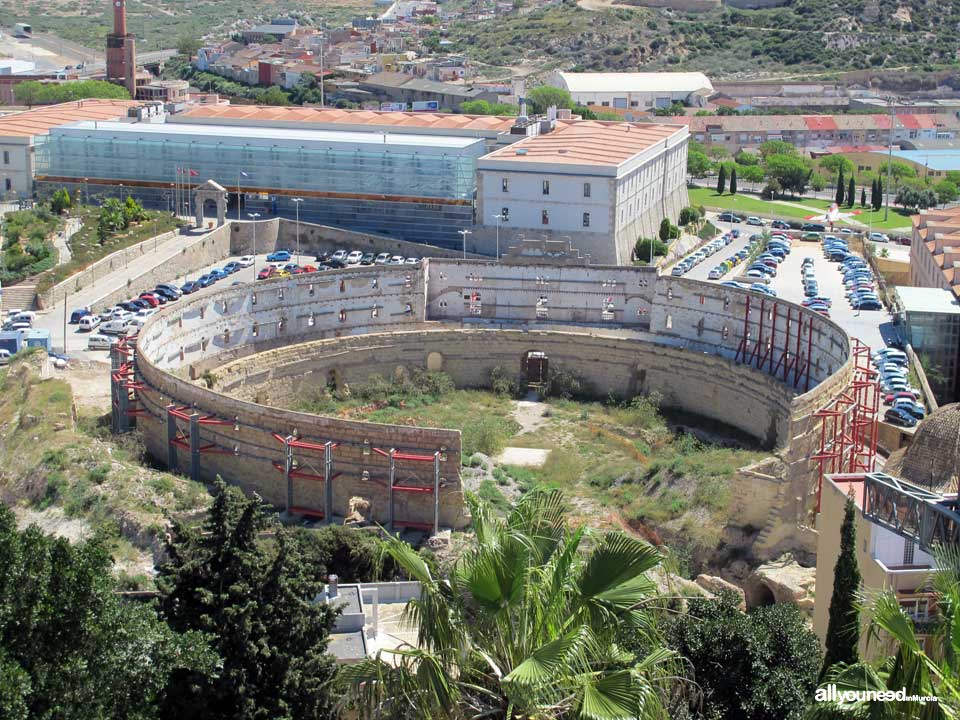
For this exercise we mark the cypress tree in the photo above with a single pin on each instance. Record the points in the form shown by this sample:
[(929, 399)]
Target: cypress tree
[(840, 188), (722, 179), (843, 629), (863, 197), (733, 181), (851, 192), (878, 203)]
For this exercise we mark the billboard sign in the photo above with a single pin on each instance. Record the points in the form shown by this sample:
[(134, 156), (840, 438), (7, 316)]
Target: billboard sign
[(393, 107), (426, 106)]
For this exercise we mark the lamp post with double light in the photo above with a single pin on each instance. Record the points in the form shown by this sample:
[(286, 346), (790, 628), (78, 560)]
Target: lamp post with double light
[(254, 217), (296, 202)]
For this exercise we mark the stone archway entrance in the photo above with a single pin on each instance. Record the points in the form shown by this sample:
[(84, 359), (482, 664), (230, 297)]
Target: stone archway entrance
[(210, 190), (535, 366)]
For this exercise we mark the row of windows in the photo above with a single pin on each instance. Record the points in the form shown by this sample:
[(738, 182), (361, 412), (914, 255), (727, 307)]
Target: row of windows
[(545, 188), (544, 217)]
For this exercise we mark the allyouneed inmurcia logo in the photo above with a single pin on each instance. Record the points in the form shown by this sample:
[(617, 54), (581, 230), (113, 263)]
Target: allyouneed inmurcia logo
[(830, 693)]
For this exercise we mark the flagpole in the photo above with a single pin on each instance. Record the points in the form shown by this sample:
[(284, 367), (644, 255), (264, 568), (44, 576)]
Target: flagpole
[(238, 196), (176, 193)]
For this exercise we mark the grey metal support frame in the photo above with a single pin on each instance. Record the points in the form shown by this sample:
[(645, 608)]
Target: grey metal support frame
[(195, 446), (393, 476), (288, 469), (436, 492), (171, 436), (328, 482)]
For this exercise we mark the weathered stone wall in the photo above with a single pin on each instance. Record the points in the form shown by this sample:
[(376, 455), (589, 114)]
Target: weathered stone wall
[(711, 350)]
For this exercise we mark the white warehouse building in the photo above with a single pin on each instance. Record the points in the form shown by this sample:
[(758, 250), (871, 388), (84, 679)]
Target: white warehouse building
[(602, 185), (635, 91)]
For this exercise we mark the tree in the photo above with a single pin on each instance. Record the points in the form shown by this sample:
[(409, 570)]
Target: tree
[(912, 198), (776, 147), (525, 626), (70, 647), (646, 248), (665, 228), (188, 46), (843, 628), (918, 671), (721, 179), (899, 171), (836, 164), (878, 197), (760, 665), (255, 602), (744, 158), (863, 197), (698, 162), (33, 92), (851, 192), (112, 218), (274, 95), (133, 211), (733, 181), (790, 171), (540, 98), (817, 181), (60, 201), (482, 107), (838, 198), (689, 215), (750, 173), (947, 191)]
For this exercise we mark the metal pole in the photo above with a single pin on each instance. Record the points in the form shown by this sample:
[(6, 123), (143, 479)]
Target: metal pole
[(296, 202), (321, 64), (238, 196), (886, 206), (254, 216), (328, 482), (288, 470), (393, 470), (171, 436), (195, 446), (65, 296), (436, 493)]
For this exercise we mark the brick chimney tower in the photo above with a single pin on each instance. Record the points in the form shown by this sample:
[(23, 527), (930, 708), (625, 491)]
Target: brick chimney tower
[(121, 51)]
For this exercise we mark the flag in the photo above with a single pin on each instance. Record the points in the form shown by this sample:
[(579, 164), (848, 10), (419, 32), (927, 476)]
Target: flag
[(193, 173), (244, 174)]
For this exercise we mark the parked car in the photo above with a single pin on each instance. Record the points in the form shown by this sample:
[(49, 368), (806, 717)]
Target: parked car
[(780, 225), (89, 322), (396, 260), (411, 261), (279, 256), (231, 267), (266, 273), (753, 220), (170, 289), (810, 237), (878, 237), (354, 258), (728, 217), (115, 327), (151, 300), (382, 259), (101, 342), (896, 416), (367, 258), (890, 398), (910, 406), (206, 280), (218, 274), (246, 261), (339, 256), (813, 227), (165, 293), (77, 314), (190, 286)]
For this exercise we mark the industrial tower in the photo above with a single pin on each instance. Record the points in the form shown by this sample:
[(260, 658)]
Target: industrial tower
[(121, 51)]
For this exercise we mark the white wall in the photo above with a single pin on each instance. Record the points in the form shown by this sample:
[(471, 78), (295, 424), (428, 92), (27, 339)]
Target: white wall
[(887, 547), (565, 204), (19, 169)]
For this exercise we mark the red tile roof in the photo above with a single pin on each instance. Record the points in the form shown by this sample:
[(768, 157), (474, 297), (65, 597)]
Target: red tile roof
[(39, 120), (819, 122)]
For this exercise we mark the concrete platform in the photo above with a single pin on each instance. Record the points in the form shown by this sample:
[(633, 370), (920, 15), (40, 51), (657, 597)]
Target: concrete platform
[(523, 457)]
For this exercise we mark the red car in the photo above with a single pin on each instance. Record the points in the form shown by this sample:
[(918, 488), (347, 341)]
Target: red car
[(266, 273), (150, 299), (889, 398), (309, 268)]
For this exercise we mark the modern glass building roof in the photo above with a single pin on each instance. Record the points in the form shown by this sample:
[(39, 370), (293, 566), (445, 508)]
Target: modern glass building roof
[(273, 159)]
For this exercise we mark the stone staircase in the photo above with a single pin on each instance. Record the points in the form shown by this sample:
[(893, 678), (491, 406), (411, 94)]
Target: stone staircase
[(22, 295), (773, 520)]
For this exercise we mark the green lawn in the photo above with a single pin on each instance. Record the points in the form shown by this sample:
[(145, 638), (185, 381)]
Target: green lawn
[(753, 205)]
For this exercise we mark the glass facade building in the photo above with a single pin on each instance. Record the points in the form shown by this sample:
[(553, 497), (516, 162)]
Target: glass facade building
[(415, 187), (931, 320)]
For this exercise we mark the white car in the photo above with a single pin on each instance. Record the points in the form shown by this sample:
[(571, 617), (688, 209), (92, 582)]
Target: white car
[(411, 261), (354, 258), (89, 322), (395, 260), (340, 255), (101, 342), (754, 221), (4, 356), (145, 313), (382, 259), (135, 323), (879, 237), (246, 261)]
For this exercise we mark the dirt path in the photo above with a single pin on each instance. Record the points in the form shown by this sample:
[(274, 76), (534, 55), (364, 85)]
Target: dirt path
[(530, 413)]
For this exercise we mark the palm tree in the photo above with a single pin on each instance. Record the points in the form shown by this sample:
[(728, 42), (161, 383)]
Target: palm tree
[(911, 667), (525, 626)]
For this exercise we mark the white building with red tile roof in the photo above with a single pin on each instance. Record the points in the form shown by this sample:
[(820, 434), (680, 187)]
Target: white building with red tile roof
[(603, 185), (19, 130)]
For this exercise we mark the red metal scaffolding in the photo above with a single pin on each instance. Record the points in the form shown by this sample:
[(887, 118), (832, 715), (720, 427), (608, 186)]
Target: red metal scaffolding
[(293, 468), (849, 423)]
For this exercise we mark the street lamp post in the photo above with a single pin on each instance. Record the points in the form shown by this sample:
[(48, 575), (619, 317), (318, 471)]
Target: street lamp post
[(498, 217), (254, 217), (463, 234), (296, 202)]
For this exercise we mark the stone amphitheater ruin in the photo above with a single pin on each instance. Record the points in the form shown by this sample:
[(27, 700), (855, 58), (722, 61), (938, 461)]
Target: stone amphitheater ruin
[(207, 380)]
